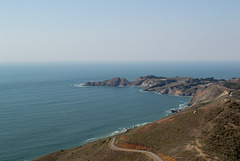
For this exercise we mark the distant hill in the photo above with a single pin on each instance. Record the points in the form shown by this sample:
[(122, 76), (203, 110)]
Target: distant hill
[(209, 129), (184, 86)]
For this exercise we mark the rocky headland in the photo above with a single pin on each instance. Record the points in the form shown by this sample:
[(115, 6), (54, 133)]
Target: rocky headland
[(112, 82), (208, 129), (203, 89)]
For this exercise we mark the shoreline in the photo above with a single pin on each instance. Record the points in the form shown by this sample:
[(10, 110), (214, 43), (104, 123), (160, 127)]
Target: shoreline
[(125, 129), (120, 130), (209, 91)]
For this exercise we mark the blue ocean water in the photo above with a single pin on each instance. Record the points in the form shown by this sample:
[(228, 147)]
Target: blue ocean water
[(43, 108)]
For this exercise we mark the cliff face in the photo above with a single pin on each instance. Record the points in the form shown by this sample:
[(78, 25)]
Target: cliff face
[(210, 93)]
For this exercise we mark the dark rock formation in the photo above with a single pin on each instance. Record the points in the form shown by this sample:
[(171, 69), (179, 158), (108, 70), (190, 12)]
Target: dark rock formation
[(112, 82)]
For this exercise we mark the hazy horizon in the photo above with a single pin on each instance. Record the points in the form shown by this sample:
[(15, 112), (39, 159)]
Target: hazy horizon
[(119, 31)]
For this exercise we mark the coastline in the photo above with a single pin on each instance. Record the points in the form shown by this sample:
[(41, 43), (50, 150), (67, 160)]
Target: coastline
[(117, 132), (129, 138), (121, 130), (123, 125)]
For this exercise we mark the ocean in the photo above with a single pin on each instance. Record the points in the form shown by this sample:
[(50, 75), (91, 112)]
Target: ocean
[(44, 108)]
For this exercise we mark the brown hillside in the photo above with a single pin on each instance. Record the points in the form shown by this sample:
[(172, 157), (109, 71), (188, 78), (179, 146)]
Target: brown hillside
[(94, 151)]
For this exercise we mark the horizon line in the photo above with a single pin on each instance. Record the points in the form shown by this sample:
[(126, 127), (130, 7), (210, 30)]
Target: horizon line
[(163, 61)]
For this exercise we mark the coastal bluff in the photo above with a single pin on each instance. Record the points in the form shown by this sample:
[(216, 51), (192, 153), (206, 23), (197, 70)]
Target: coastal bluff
[(201, 89)]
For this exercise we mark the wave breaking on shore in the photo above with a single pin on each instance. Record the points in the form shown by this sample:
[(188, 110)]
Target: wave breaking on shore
[(81, 85), (118, 131), (176, 109)]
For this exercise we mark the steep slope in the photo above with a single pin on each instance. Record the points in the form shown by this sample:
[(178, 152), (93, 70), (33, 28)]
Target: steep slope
[(209, 92), (208, 132)]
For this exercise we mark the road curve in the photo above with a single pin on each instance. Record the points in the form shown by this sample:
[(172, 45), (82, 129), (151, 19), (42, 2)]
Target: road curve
[(152, 155)]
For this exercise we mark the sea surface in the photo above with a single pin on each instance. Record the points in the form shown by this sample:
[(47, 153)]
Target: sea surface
[(44, 108)]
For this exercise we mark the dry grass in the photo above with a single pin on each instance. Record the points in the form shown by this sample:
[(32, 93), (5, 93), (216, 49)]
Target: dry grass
[(207, 131), (164, 157), (210, 133), (94, 151)]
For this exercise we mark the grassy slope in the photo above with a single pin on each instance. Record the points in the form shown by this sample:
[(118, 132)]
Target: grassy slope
[(210, 132), (94, 151), (202, 132)]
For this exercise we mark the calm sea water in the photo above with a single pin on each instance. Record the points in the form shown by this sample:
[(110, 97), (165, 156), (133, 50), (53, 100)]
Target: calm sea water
[(43, 108)]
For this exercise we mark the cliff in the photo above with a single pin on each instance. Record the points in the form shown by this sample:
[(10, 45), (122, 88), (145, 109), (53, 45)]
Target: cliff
[(211, 92), (208, 130)]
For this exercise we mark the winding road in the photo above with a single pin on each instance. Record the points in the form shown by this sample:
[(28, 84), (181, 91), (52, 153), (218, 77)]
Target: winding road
[(152, 155)]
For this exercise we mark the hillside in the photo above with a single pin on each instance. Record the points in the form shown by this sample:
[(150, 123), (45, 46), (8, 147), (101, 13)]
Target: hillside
[(209, 129)]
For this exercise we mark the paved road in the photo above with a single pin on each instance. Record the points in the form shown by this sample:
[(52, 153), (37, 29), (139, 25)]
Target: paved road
[(152, 155)]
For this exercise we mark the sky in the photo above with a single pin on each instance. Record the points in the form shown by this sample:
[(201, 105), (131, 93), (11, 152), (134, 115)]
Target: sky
[(119, 30)]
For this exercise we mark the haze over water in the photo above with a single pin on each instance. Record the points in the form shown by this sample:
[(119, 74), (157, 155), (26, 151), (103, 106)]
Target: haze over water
[(43, 108)]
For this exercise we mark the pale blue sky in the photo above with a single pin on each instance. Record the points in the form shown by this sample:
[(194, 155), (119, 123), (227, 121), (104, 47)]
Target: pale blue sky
[(119, 30)]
